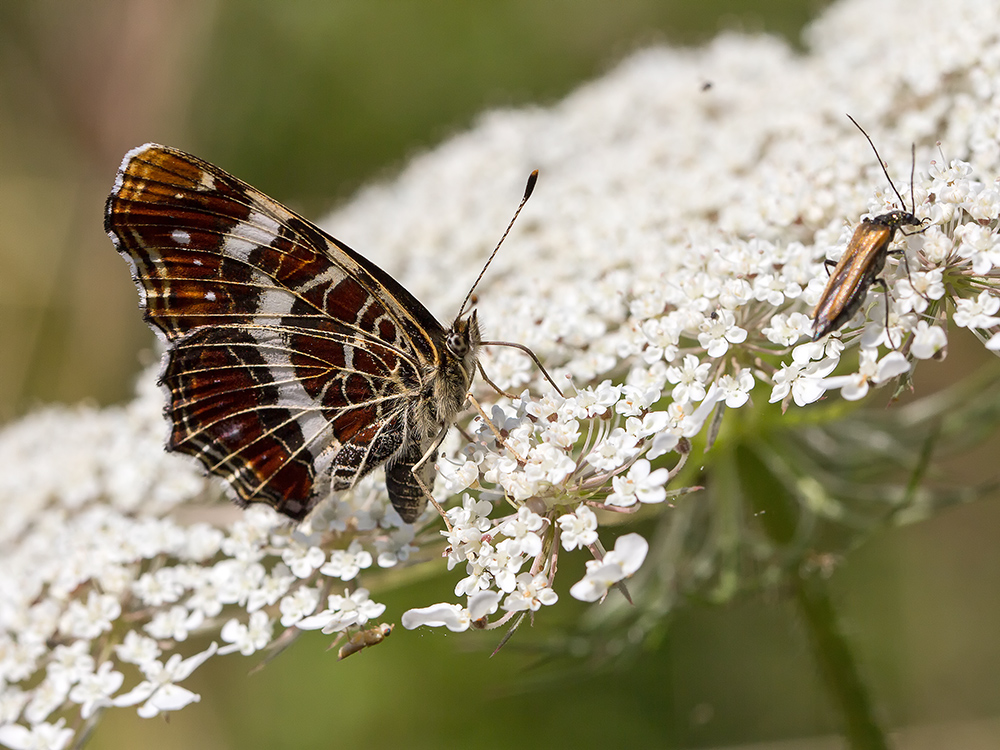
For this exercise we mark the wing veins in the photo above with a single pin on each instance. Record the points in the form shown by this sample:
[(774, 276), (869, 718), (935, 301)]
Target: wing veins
[(280, 214)]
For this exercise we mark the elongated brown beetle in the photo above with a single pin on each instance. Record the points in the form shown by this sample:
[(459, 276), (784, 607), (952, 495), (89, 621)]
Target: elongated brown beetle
[(863, 260)]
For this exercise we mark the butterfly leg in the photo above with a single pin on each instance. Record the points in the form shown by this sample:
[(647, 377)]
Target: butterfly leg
[(425, 478), (495, 431), (494, 386)]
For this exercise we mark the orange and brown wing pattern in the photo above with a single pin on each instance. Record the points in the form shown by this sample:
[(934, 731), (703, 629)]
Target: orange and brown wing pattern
[(293, 364)]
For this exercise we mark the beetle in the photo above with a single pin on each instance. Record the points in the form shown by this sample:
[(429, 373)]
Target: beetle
[(863, 260)]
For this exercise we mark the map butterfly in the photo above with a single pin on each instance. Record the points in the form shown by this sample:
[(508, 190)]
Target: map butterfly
[(294, 366)]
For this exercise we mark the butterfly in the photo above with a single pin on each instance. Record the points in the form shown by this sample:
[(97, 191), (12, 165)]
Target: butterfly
[(862, 261), (294, 366)]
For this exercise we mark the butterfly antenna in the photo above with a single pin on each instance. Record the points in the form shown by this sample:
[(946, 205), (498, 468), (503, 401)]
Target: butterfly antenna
[(532, 179), (882, 164)]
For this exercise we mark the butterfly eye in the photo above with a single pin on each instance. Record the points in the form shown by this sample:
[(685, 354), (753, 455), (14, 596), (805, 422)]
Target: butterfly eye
[(458, 341)]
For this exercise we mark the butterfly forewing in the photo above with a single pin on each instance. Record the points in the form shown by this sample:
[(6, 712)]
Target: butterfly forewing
[(294, 365)]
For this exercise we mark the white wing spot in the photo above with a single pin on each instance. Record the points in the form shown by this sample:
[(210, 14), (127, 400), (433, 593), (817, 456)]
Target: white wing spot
[(181, 237), (259, 230), (210, 296)]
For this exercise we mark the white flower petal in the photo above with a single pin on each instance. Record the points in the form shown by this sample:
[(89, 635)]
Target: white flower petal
[(451, 616)]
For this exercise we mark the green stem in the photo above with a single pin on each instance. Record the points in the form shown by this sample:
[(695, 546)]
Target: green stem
[(836, 663), (778, 513)]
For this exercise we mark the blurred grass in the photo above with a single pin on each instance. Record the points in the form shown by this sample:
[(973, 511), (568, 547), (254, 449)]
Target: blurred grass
[(307, 100)]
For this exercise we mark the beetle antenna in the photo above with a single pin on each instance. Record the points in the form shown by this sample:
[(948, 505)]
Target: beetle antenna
[(886, 171)]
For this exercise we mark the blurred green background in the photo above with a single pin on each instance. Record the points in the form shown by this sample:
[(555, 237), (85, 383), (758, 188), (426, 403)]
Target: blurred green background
[(307, 101)]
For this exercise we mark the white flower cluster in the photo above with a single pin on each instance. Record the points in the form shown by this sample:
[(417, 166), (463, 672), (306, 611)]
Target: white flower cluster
[(663, 271), (101, 593), (534, 454)]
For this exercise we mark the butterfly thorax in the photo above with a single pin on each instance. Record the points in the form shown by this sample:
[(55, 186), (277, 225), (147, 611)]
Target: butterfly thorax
[(410, 471), (450, 385)]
